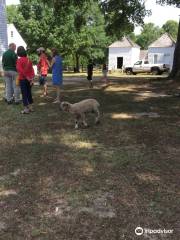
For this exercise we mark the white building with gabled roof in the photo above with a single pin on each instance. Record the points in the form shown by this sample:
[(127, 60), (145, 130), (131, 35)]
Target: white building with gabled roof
[(14, 36), (162, 50), (123, 52)]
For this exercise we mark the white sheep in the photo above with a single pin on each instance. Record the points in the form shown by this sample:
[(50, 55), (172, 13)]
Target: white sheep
[(81, 108)]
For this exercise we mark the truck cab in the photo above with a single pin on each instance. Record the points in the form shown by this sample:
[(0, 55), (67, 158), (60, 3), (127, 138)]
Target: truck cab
[(143, 66)]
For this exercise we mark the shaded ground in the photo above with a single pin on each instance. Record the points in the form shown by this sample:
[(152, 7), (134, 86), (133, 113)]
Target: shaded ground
[(95, 183)]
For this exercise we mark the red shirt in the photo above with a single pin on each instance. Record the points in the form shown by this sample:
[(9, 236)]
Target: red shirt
[(43, 65), (25, 68)]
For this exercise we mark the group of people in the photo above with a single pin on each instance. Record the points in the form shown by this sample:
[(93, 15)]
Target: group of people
[(43, 66), (19, 75)]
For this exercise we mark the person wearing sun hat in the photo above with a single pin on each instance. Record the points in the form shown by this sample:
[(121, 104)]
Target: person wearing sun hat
[(43, 67)]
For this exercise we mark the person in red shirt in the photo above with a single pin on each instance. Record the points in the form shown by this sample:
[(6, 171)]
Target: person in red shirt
[(26, 74), (43, 67)]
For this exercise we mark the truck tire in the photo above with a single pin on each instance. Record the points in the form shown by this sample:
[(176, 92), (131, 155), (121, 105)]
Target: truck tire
[(155, 71), (128, 71)]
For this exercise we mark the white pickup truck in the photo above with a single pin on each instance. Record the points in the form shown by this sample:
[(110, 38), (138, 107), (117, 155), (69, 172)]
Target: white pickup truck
[(145, 67)]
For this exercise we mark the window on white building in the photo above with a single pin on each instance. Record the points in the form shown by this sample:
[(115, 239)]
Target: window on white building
[(12, 34)]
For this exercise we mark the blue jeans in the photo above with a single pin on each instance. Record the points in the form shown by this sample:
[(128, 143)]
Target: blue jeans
[(11, 90), (26, 92)]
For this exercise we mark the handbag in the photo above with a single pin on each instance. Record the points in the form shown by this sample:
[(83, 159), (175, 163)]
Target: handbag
[(17, 80)]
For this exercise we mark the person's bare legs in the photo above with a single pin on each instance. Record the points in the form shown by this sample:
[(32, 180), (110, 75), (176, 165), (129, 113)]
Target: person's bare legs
[(45, 90), (90, 84), (58, 94)]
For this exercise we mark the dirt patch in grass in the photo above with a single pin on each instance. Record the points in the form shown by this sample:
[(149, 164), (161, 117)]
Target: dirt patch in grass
[(96, 183)]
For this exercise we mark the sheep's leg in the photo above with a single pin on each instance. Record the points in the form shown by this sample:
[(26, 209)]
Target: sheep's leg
[(84, 120), (97, 116), (76, 124), (77, 121)]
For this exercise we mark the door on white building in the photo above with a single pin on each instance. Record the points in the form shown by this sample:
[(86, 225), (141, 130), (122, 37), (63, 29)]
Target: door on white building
[(155, 58), (119, 62)]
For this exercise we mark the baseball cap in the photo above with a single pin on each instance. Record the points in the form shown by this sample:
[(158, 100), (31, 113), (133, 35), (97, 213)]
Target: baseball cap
[(40, 49)]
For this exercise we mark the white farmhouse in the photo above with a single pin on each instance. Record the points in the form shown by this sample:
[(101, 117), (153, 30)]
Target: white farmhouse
[(14, 36), (8, 33), (162, 50), (121, 53), (3, 30)]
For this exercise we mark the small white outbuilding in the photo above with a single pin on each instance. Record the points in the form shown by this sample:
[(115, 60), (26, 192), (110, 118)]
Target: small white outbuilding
[(14, 36), (123, 52), (162, 50)]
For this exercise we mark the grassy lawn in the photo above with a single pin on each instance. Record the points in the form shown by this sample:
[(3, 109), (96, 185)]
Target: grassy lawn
[(115, 73), (99, 183)]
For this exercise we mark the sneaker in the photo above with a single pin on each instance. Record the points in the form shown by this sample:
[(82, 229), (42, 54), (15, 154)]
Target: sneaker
[(25, 111)]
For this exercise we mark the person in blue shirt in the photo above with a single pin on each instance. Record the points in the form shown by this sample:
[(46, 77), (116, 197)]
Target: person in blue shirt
[(57, 73)]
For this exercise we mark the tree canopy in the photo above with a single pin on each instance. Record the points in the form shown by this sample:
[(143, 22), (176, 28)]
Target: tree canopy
[(171, 27), (122, 16), (79, 29), (149, 34), (176, 3)]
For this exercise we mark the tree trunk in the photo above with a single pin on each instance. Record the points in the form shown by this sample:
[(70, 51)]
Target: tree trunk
[(175, 73)]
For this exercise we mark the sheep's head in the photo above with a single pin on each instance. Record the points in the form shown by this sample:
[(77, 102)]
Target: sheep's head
[(65, 106)]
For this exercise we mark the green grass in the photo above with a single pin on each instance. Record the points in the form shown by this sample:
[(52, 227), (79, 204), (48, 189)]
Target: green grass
[(95, 183)]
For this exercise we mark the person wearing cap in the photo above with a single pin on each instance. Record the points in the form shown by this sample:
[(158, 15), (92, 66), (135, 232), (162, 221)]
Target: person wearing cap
[(43, 67)]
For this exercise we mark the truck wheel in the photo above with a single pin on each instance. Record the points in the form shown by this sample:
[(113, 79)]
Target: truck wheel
[(155, 71), (129, 71)]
